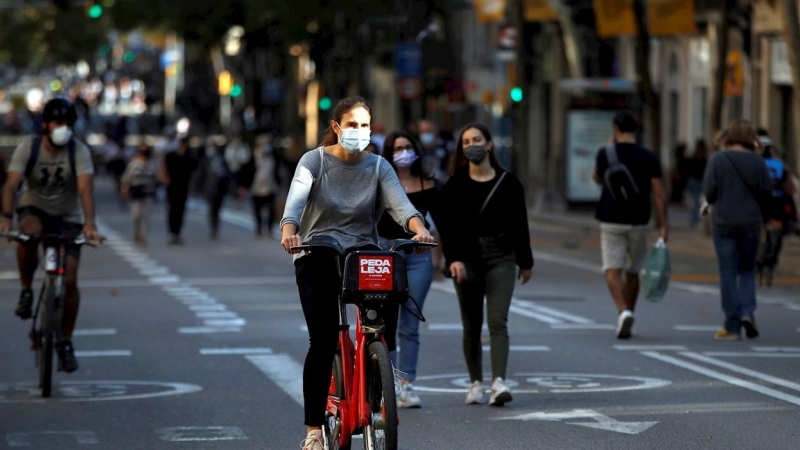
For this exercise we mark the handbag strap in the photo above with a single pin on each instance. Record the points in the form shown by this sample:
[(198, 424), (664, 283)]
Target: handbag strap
[(488, 197), (749, 187)]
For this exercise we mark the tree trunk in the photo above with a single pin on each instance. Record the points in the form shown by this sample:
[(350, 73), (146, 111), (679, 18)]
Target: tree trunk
[(569, 36), (718, 85), (791, 32), (646, 91)]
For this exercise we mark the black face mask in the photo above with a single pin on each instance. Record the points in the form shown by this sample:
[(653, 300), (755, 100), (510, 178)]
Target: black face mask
[(475, 153)]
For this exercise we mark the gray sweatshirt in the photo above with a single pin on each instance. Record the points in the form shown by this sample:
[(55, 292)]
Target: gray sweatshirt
[(331, 197), (734, 205)]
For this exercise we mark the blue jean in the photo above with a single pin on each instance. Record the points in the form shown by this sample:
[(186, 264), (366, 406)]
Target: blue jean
[(419, 269), (695, 187), (736, 258)]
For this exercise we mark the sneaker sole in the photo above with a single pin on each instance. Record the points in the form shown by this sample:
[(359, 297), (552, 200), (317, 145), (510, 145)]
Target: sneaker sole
[(749, 329), (625, 330), (502, 399)]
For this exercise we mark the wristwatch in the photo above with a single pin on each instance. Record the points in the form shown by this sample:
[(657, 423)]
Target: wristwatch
[(8, 215)]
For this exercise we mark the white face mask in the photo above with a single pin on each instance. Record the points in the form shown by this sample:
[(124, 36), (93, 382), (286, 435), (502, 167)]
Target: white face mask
[(60, 136), (355, 140)]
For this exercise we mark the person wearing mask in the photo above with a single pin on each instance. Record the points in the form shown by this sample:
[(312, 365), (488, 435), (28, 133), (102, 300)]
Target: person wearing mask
[(736, 184), (336, 191), (58, 198), (176, 174), (434, 153), (630, 175), (403, 153), (263, 181), (779, 213), (485, 235), (139, 185)]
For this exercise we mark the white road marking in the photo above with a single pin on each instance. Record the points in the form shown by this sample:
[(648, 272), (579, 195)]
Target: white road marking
[(208, 308), (553, 312), (522, 348), (723, 377), (94, 332), (601, 421), (82, 391), (101, 353), (174, 279), (208, 330), (216, 315), (776, 349), (225, 322), (742, 370), (533, 315), (665, 348), (284, 371), (235, 351), (534, 383), (25, 439), (582, 326), (9, 275), (199, 301), (696, 327), (753, 354), (447, 327), (143, 282), (200, 434)]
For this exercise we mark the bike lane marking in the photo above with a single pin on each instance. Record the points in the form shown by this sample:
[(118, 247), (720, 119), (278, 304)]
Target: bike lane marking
[(200, 434), (103, 390), (599, 421), (27, 438), (534, 383), (284, 371)]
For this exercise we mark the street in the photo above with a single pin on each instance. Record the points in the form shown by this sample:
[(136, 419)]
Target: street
[(202, 346)]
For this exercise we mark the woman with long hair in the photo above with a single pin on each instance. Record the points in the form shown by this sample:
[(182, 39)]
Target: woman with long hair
[(404, 155), (736, 184), (336, 191), (484, 235)]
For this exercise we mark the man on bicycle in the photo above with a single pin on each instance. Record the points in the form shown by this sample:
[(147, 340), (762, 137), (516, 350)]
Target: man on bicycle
[(57, 173)]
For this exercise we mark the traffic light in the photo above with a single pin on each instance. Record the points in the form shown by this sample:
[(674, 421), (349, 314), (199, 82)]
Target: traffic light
[(325, 103), (94, 9), (225, 83), (236, 90), (516, 94)]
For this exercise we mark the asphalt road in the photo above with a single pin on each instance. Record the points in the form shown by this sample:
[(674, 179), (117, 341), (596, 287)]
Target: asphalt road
[(201, 346)]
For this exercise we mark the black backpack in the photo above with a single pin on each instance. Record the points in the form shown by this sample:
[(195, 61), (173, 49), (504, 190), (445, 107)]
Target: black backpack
[(36, 144), (617, 178)]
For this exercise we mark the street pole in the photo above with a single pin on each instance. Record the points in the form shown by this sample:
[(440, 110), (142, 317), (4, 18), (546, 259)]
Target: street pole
[(791, 32)]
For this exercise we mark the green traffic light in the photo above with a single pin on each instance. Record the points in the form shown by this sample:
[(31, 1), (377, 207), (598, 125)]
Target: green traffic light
[(129, 57), (516, 94), (236, 90), (325, 103), (95, 11)]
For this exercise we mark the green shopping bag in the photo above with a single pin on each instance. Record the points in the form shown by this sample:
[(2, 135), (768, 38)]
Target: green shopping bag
[(656, 272)]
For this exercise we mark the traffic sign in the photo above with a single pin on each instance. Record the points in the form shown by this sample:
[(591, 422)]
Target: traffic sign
[(410, 88), (408, 60)]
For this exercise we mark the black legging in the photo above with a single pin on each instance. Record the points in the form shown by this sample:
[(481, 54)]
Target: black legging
[(214, 207), (318, 286), (259, 202), (177, 209)]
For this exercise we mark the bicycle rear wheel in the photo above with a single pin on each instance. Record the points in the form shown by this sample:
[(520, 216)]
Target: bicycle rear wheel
[(333, 427), (381, 431), (46, 331)]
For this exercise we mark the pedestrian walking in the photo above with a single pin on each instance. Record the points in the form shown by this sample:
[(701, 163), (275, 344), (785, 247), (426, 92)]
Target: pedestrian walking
[(485, 234), (336, 191), (629, 175), (737, 182), (263, 181), (139, 186), (694, 170), (779, 213), (403, 153), (176, 174), (216, 179)]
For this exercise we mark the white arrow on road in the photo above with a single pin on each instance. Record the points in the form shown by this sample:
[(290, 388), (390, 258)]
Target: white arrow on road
[(601, 421)]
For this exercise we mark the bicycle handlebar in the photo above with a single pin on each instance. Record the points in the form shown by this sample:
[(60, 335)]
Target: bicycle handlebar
[(408, 245), (400, 245), (76, 240)]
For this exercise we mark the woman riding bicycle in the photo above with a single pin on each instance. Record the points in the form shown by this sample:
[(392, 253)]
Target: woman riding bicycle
[(340, 191)]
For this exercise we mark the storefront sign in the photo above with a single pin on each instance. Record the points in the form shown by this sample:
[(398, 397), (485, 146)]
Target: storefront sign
[(781, 72)]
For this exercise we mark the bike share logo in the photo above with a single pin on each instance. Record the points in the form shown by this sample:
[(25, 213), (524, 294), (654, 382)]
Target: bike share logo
[(375, 273)]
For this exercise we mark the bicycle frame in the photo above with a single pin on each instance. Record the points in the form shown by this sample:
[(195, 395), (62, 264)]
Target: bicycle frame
[(55, 270), (353, 406)]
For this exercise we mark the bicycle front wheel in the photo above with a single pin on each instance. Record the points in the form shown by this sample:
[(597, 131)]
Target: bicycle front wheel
[(381, 431), (46, 331)]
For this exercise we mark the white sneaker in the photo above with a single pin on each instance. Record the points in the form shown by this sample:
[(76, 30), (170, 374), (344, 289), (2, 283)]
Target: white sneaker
[(314, 441), (398, 382), (624, 324), (408, 398), (476, 394), (500, 393)]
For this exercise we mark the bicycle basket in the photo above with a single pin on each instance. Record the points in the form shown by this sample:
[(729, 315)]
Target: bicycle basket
[(375, 277)]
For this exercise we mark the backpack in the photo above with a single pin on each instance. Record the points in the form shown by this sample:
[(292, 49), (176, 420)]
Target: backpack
[(777, 173), (36, 144), (617, 178)]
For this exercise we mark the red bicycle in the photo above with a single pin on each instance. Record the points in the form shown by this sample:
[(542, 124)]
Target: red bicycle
[(361, 398)]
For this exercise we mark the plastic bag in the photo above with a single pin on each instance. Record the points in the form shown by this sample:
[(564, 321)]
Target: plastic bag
[(656, 272)]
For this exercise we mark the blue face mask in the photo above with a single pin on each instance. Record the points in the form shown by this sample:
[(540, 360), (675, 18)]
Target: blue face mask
[(354, 140), (427, 138)]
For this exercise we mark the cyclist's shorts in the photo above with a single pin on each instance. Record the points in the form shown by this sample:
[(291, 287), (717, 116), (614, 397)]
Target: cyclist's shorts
[(54, 225)]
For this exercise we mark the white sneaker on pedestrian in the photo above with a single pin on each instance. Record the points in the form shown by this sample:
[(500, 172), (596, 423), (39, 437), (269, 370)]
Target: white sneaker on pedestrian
[(500, 393), (408, 398), (476, 394), (315, 440), (624, 324)]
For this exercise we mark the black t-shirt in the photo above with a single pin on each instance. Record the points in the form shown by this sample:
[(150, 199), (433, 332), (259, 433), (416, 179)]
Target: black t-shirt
[(179, 169), (643, 166)]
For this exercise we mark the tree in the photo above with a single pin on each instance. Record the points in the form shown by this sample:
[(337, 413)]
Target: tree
[(791, 31)]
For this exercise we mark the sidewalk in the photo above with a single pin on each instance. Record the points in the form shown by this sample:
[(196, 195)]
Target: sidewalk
[(576, 234)]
